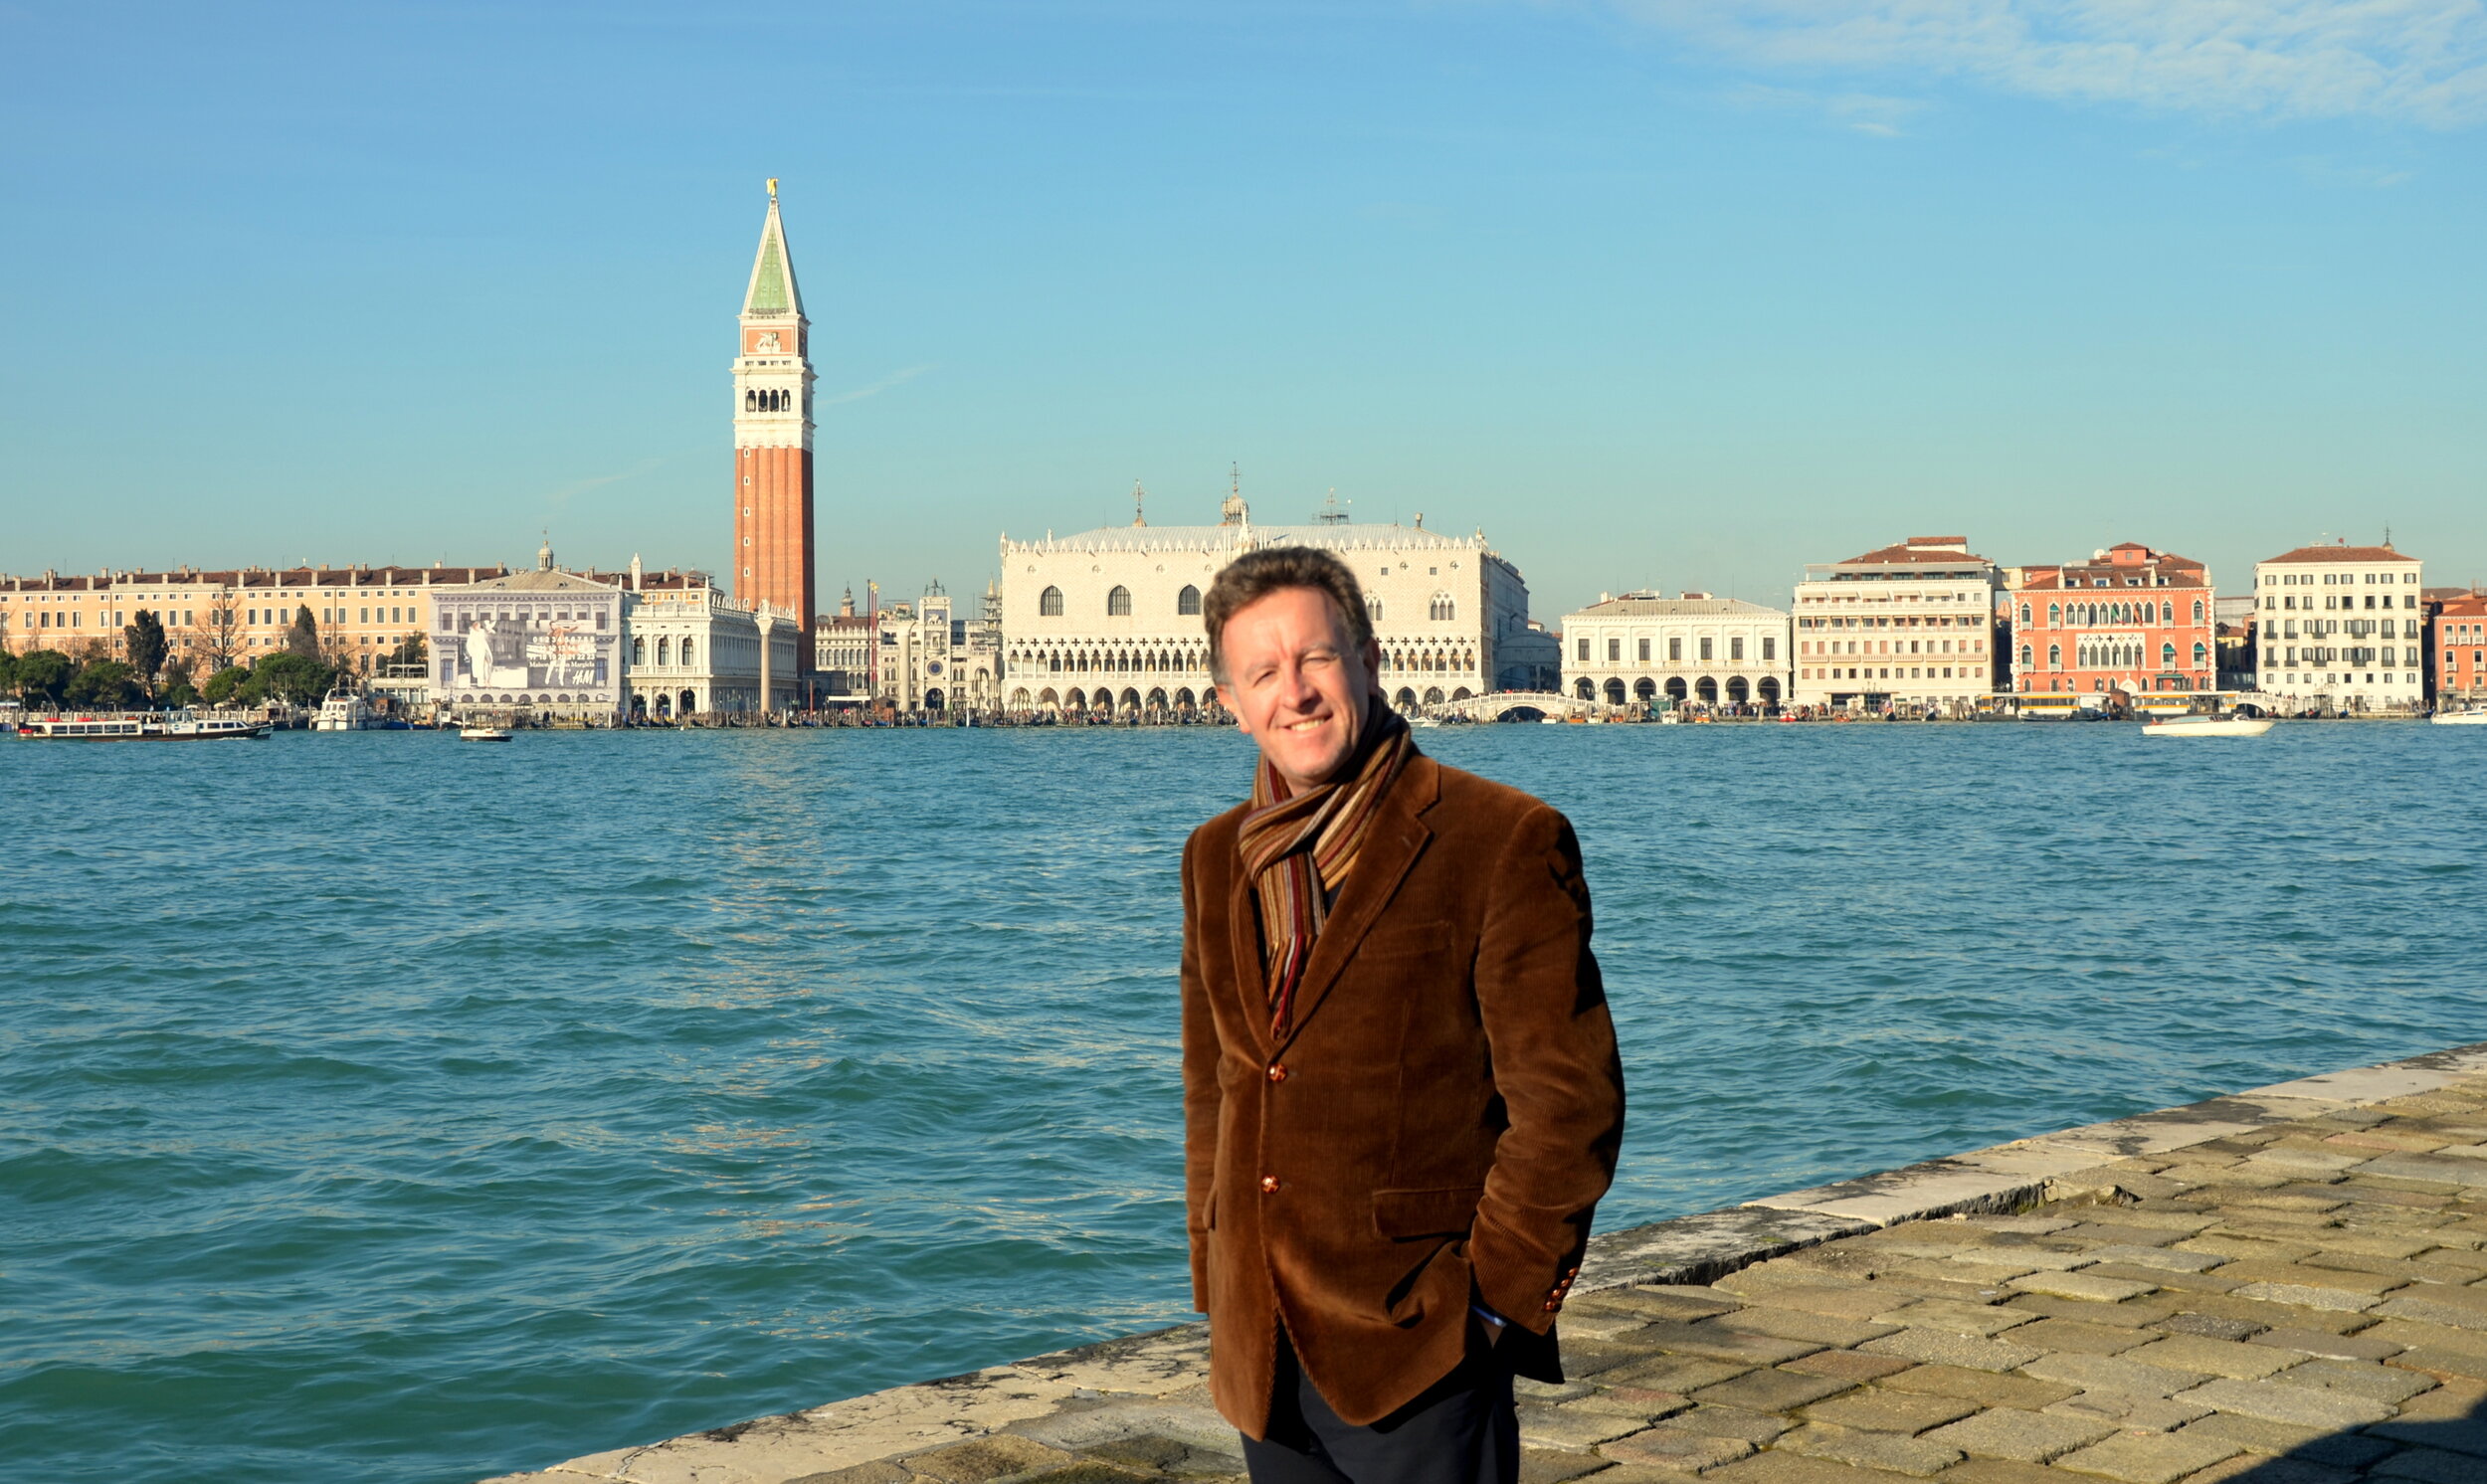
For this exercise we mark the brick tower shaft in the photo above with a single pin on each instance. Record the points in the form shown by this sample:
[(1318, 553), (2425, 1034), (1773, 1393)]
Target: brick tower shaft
[(773, 552)]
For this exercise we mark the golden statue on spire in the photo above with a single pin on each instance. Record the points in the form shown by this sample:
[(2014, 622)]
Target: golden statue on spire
[(772, 188)]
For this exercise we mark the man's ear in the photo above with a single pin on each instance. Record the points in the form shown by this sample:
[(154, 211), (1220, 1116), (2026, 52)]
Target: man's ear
[(1226, 698)]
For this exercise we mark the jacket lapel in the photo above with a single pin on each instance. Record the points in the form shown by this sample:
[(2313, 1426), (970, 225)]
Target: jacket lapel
[(1396, 836), (1252, 981)]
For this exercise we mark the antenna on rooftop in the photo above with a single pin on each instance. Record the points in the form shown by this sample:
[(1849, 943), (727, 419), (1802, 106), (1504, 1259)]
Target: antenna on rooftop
[(1330, 512)]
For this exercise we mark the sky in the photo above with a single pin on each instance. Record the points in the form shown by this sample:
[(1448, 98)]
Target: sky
[(1656, 294)]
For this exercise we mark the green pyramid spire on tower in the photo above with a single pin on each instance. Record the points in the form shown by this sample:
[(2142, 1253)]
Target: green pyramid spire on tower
[(773, 288)]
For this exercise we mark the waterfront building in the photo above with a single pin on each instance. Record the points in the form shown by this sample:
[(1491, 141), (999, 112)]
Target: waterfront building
[(2339, 627), (2130, 620), (1910, 625), (1694, 648), (1529, 658), (545, 641), (1109, 620), (932, 661), (843, 647), (773, 553), (233, 615), (2460, 648), (696, 651)]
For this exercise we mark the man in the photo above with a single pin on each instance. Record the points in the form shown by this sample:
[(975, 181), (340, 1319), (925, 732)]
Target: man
[(1402, 1100)]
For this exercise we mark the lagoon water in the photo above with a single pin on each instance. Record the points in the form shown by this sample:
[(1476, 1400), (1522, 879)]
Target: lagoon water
[(374, 1107)]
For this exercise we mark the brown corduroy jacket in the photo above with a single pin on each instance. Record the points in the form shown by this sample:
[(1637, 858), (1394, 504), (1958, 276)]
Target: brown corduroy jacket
[(1438, 1127)]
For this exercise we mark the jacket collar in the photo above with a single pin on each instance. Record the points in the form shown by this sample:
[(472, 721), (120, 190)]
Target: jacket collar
[(1395, 840)]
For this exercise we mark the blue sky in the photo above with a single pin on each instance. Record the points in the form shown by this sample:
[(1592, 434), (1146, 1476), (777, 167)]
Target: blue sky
[(1655, 292)]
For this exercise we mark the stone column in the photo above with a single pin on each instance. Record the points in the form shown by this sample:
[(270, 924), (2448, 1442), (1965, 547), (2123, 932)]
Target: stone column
[(768, 625)]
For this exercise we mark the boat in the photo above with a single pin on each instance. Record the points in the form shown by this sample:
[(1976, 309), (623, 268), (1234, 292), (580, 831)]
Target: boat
[(482, 734), (140, 727), (2209, 726), (2459, 718), (343, 710)]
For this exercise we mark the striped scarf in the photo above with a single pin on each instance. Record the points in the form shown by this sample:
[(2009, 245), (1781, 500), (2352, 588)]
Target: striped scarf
[(1299, 847)]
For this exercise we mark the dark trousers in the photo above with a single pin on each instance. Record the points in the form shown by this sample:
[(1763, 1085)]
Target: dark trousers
[(1461, 1430)]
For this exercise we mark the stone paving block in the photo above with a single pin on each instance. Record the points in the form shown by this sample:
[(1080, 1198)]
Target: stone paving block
[(2298, 1276), (1685, 1301), (2132, 1413), (2083, 1285), (2467, 1435), (2380, 1382), (1527, 1390), (2392, 1244), (2433, 1169), (2454, 1401), (1798, 1324), (2463, 1307), (2406, 1270), (1679, 1373), (2443, 1363), (2308, 1297), (1878, 1410), (985, 1459), (2249, 1248), (1755, 1427), (2361, 1347), (2276, 1402), (2160, 1277), (1847, 1364), (2176, 1259), (1569, 1427), (2251, 1468), (1631, 1401), (2138, 1228), (2036, 1225), (1153, 1454), (1582, 1321), (1976, 1470), (1987, 1388), (1918, 1285), (1675, 1448), (2214, 1356), (1841, 1301), (2148, 1458), (2429, 1466), (1776, 1468), (1883, 1451), (1723, 1345), (2257, 1434), (2209, 1327), (2140, 1313), (1583, 1358), (2080, 1338), (2028, 1255), (2273, 1316), (1984, 1321), (2028, 1437), (1946, 1348), (1539, 1466), (2098, 1373), (2414, 1334), (1771, 1390), (1958, 1272)]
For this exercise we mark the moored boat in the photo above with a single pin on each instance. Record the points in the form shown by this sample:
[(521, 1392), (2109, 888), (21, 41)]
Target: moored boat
[(139, 726), (2209, 726), (343, 710), (2473, 717), (482, 734)]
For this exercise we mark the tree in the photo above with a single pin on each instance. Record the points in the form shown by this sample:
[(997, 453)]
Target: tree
[(147, 648), (106, 685), (303, 638), (216, 635), (409, 651), (222, 685), (286, 676), (41, 674)]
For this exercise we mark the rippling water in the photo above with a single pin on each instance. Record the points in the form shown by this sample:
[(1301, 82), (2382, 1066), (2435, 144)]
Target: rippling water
[(375, 1107)]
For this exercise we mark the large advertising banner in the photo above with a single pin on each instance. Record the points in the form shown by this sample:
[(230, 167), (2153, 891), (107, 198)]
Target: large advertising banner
[(534, 652)]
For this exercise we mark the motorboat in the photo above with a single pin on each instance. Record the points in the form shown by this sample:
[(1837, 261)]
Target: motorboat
[(482, 734), (2230, 725), (140, 727), (2474, 717), (343, 710)]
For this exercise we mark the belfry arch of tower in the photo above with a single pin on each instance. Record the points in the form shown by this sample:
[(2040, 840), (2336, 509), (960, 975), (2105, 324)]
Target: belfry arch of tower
[(773, 553)]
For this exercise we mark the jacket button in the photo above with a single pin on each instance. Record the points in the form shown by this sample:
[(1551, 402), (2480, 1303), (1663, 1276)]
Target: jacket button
[(1552, 1305), (1277, 1071), (1269, 1185)]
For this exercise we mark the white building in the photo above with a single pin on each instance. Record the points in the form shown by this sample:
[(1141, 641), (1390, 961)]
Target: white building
[(1908, 626), (2340, 625), (932, 661), (1696, 647), (1110, 618), (843, 647), (545, 642), (693, 651)]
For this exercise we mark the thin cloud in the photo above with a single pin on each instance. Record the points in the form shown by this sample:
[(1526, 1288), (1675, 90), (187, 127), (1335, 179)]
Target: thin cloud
[(563, 495), (2422, 61), (894, 378), (1865, 113)]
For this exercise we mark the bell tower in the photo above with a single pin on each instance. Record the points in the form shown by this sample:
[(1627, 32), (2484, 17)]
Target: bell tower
[(773, 554)]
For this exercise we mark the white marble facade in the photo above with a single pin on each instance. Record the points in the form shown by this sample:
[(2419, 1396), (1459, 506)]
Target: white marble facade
[(693, 651), (1693, 649), (1109, 620)]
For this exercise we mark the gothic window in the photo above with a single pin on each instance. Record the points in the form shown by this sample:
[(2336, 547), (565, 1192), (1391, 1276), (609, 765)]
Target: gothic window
[(752, 400), (2025, 657), (2055, 615), (2166, 656), (1188, 603), (2025, 615), (1373, 606), (1119, 603), (1444, 609), (2197, 610), (1050, 603), (2055, 657), (2198, 656)]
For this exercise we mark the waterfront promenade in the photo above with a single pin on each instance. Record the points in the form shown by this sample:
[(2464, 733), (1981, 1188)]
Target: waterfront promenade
[(2287, 1286)]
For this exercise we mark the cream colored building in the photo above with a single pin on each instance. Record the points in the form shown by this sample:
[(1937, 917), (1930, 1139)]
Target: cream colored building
[(542, 643), (693, 651), (933, 661), (1110, 618), (1909, 626), (2342, 625), (1694, 648), (844, 647)]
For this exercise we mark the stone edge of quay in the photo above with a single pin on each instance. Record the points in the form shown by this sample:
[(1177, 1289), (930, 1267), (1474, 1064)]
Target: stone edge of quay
[(1698, 1248)]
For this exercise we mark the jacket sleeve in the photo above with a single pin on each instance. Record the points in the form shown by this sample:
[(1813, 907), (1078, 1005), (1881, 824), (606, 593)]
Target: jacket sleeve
[(1556, 1069), (1199, 1089)]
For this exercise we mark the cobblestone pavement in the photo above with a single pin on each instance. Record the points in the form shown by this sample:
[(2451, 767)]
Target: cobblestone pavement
[(2286, 1287)]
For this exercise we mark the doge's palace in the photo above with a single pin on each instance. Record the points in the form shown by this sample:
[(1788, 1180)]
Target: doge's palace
[(1109, 620)]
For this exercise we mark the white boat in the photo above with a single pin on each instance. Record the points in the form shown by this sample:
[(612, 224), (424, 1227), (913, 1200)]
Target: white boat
[(2209, 726), (343, 711), (482, 734), (2461, 719), (139, 726)]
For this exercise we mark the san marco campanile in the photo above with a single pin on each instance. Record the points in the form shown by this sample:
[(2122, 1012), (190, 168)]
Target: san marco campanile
[(773, 555)]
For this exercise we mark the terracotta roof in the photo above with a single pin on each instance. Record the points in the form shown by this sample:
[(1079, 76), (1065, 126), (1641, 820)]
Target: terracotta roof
[(1915, 553), (2341, 554), (2471, 607)]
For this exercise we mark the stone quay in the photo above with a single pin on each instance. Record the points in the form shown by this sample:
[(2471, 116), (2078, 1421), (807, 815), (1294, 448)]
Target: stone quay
[(2287, 1286)]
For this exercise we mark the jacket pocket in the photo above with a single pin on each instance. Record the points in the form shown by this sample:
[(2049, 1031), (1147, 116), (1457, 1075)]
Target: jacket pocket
[(1403, 1215)]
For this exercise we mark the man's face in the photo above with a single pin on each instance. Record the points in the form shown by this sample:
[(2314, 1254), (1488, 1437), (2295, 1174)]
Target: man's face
[(1297, 683)]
